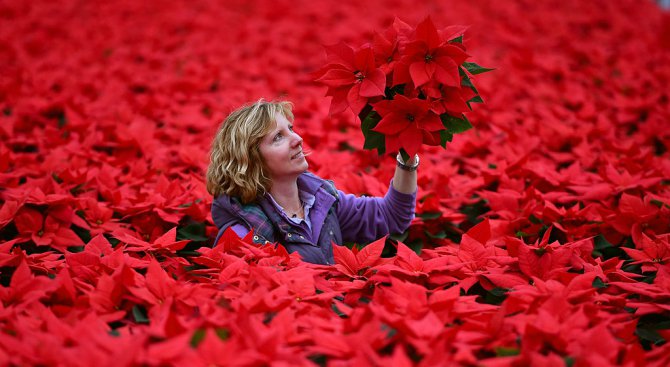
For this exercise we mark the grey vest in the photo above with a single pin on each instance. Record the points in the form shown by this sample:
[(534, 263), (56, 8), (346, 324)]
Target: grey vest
[(269, 226)]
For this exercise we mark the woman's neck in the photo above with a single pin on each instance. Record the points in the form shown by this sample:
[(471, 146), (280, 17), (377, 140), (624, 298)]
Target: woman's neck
[(286, 194)]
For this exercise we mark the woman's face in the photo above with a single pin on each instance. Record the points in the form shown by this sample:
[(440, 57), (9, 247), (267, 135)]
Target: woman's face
[(281, 150)]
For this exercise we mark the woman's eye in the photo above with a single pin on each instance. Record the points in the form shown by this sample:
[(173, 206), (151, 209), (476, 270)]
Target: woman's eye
[(277, 137)]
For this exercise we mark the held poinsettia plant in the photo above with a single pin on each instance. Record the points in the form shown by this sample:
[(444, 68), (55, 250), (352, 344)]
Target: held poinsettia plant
[(410, 86)]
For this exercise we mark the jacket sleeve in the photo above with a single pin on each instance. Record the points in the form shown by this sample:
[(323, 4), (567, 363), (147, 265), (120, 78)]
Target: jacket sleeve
[(365, 219)]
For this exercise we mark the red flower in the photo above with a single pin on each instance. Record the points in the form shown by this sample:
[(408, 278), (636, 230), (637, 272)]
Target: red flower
[(357, 263), (100, 217), (404, 122), (651, 251), (450, 100), (52, 230), (429, 57), (387, 46), (166, 242), (351, 77)]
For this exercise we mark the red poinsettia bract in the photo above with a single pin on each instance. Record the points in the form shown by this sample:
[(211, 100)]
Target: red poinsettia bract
[(352, 77), (405, 122)]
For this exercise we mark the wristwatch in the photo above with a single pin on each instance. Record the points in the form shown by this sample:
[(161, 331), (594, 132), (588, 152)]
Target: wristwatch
[(405, 166)]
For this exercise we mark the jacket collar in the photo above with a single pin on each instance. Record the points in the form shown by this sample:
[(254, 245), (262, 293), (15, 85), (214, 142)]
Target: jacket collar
[(307, 182), (310, 183), (224, 208)]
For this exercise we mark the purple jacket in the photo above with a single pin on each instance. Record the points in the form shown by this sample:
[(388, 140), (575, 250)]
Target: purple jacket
[(335, 217)]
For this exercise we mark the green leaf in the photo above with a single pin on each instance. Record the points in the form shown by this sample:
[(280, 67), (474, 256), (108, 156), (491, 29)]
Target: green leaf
[(475, 69), (499, 292), (365, 300), (599, 284), (535, 220), (112, 240), (600, 243), (650, 335), (269, 316), (475, 99), (391, 92), (82, 233), (77, 189), (140, 315), (62, 121), (466, 82), (193, 267), (416, 247), (193, 231), (404, 155), (186, 205), (658, 203), (373, 139), (445, 137), (632, 268), (339, 313), (495, 296), (649, 279), (197, 337), (222, 333), (185, 253), (455, 125), (390, 331), (569, 361), (458, 39), (320, 360), (429, 215), (440, 234), (401, 237), (56, 178), (602, 248), (506, 352), (648, 327), (475, 210)]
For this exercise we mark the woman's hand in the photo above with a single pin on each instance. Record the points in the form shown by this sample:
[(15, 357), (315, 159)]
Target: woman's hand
[(404, 179)]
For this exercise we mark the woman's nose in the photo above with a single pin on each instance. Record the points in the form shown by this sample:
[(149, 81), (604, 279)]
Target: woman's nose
[(297, 139)]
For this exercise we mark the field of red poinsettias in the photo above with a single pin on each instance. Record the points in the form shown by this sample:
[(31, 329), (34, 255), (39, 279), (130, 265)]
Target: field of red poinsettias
[(542, 235)]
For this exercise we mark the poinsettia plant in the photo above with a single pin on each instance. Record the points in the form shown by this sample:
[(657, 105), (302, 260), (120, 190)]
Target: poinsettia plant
[(410, 86), (543, 241)]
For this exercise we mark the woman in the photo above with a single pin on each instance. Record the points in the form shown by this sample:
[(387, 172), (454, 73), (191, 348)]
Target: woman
[(258, 177)]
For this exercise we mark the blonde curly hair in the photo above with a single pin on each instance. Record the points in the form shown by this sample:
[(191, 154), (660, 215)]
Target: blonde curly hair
[(236, 167)]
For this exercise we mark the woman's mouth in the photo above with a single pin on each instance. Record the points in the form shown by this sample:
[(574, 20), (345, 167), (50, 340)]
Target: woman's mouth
[(298, 155)]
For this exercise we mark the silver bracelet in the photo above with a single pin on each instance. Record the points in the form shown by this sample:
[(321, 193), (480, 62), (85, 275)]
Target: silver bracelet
[(406, 167)]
